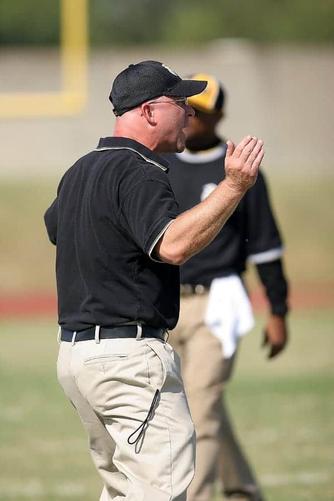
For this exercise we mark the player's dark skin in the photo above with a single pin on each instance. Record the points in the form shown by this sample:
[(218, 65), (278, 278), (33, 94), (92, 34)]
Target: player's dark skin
[(201, 131), (201, 134)]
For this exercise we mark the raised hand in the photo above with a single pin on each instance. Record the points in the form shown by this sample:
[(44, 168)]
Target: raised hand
[(242, 163)]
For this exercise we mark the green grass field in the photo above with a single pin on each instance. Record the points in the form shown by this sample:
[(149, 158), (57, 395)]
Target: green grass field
[(303, 204), (283, 411)]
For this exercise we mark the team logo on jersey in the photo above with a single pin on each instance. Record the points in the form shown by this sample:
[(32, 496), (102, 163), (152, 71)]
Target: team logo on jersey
[(168, 69), (207, 189)]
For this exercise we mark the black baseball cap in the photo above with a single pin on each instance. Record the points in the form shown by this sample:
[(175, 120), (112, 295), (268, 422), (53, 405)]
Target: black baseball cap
[(148, 80)]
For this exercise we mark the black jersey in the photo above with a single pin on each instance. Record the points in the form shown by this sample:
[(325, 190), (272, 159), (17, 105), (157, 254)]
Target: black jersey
[(251, 233), (112, 207)]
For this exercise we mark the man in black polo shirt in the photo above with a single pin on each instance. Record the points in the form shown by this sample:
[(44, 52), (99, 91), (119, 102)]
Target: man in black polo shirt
[(119, 238)]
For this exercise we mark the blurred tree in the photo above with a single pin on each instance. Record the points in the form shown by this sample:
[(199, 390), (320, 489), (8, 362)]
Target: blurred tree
[(33, 22), (125, 22), (192, 21), (280, 20)]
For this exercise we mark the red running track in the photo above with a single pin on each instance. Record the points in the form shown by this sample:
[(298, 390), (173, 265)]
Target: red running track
[(15, 306)]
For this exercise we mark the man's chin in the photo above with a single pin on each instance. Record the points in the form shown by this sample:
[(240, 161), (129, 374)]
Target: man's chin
[(180, 148), (176, 146), (181, 144)]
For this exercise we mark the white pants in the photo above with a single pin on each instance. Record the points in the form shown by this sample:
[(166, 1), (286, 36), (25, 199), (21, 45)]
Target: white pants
[(112, 384)]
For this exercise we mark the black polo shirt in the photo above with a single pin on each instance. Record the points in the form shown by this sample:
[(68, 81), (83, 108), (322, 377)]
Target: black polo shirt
[(112, 207)]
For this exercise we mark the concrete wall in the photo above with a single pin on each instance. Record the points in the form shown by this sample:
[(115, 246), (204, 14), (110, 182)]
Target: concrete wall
[(282, 94)]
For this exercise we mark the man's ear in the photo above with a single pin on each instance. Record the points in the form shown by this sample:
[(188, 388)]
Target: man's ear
[(147, 112)]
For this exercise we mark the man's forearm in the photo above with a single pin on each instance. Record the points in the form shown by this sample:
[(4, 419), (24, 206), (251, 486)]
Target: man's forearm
[(194, 229)]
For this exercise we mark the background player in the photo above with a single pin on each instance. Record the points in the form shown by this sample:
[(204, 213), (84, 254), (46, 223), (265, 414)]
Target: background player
[(215, 309)]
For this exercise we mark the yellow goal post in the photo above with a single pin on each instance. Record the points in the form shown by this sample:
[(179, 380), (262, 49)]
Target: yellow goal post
[(72, 96)]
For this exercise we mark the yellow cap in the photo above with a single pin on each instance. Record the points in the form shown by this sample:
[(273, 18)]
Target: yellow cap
[(212, 97)]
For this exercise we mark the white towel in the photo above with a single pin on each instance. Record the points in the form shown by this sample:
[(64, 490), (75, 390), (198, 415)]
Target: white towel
[(229, 312)]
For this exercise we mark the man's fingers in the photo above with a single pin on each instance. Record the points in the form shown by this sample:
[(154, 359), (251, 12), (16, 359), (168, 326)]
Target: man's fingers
[(230, 148), (242, 145), (242, 164), (258, 146), (258, 160), (264, 339), (251, 150), (275, 350), (248, 150)]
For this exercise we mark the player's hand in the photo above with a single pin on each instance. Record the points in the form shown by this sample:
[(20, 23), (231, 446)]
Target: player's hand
[(242, 163), (275, 335)]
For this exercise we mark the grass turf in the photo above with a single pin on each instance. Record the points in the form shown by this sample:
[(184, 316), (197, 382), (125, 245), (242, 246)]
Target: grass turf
[(303, 204), (283, 412)]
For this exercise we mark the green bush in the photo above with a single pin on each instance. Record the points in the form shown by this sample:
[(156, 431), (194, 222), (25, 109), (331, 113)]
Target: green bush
[(127, 22), (33, 22)]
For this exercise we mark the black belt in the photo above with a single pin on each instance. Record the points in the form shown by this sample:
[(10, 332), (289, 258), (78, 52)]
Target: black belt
[(124, 331)]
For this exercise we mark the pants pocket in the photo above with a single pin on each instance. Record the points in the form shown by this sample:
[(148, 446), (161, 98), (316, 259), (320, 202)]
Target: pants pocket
[(169, 362), (157, 364)]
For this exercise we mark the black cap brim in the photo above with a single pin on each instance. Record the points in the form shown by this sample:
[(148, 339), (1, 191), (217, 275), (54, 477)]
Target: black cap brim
[(187, 88)]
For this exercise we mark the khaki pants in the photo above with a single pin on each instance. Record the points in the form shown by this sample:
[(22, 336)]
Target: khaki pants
[(112, 385), (205, 371)]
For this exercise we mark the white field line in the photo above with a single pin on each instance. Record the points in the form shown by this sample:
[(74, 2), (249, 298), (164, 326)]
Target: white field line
[(301, 478), (34, 488)]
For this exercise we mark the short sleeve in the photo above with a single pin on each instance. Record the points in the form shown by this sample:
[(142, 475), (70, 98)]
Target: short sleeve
[(148, 209), (50, 219), (264, 242)]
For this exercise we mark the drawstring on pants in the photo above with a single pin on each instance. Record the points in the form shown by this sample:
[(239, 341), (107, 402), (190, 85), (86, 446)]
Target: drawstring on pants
[(142, 428)]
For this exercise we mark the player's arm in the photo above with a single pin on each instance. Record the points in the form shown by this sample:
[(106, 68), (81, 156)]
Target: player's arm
[(275, 284), (196, 228), (265, 250)]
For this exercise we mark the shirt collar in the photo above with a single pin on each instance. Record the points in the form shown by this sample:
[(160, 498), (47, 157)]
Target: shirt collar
[(203, 156), (131, 144)]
